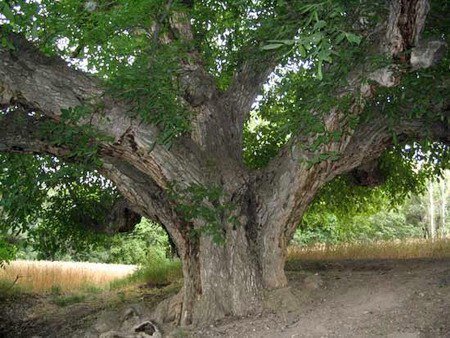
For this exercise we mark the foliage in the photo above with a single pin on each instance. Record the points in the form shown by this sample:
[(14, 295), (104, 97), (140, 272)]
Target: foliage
[(122, 248), (158, 270), (81, 141), (66, 300), (58, 207), (383, 225), (297, 98), (204, 204), (126, 45), (421, 94), (7, 251), (147, 85), (395, 210), (133, 247), (406, 169), (115, 41), (155, 271)]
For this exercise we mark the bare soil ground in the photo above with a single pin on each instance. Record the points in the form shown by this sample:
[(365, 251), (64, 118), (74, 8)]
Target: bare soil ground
[(409, 298), (388, 298)]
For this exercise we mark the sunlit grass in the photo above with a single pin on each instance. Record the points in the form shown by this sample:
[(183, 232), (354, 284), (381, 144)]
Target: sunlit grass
[(69, 277), (157, 272), (42, 276), (408, 249)]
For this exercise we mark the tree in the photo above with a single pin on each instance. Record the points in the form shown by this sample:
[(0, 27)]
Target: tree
[(444, 189), (168, 114), (431, 212)]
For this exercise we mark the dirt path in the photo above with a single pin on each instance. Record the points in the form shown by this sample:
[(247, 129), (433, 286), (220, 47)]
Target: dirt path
[(356, 299), (340, 299)]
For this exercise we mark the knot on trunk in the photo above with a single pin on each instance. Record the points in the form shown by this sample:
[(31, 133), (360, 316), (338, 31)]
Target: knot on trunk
[(385, 77), (427, 54), (197, 86), (122, 218), (368, 175)]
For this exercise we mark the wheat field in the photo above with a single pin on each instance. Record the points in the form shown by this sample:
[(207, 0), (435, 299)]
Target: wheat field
[(405, 249), (41, 276)]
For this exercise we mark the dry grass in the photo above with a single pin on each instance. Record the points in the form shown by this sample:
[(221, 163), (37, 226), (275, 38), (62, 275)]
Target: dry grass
[(41, 276), (378, 250)]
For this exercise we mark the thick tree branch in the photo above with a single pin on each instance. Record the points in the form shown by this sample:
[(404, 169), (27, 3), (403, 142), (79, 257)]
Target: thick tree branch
[(146, 198), (247, 83), (19, 133), (238, 99), (291, 180), (47, 86)]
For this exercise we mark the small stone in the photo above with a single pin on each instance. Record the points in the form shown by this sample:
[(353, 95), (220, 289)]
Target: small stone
[(147, 328), (313, 282), (111, 334), (129, 313)]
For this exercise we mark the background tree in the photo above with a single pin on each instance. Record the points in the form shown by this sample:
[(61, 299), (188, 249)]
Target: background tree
[(168, 114), (444, 194), (431, 212)]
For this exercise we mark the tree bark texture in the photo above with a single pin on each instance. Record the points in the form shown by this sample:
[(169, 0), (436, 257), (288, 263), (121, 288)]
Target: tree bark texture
[(267, 204)]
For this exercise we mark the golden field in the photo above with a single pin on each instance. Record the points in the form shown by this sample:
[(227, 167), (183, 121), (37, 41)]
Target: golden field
[(406, 249), (42, 276)]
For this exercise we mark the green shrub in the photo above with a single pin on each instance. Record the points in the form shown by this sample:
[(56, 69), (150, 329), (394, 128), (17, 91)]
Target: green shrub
[(56, 290), (89, 288), (65, 300), (157, 271), (9, 289)]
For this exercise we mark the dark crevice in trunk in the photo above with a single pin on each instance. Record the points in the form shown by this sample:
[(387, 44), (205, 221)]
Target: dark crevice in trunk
[(192, 283), (252, 228), (406, 22)]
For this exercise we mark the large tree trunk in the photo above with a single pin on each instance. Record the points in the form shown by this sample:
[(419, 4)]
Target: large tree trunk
[(225, 278), (221, 280)]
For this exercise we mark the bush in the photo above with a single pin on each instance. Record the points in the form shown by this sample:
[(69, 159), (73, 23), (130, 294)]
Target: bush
[(157, 271), (65, 300), (7, 251), (385, 225)]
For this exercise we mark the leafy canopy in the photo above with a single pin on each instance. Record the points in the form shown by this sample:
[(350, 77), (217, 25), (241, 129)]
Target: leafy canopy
[(133, 48)]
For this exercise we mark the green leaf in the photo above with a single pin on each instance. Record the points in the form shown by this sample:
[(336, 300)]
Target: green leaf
[(288, 42), (353, 38), (302, 50), (319, 70), (340, 37), (7, 44), (272, 46), (8, 13), (320, 24)]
